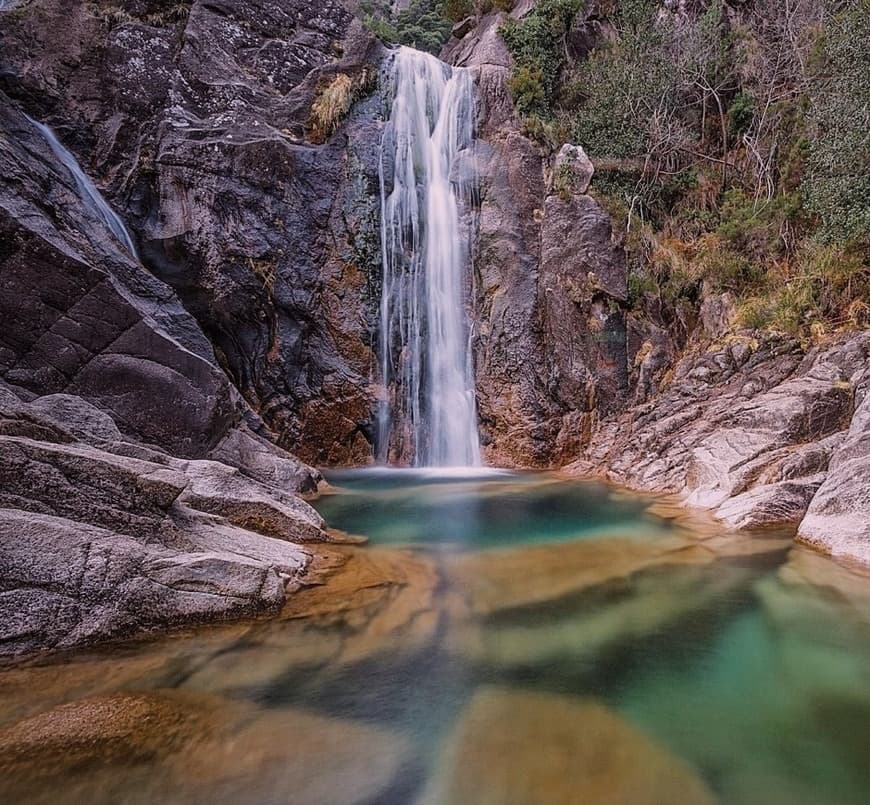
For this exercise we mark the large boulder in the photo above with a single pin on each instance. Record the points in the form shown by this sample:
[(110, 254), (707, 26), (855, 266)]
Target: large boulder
[(572, 170), (66, 583), (109, 541)]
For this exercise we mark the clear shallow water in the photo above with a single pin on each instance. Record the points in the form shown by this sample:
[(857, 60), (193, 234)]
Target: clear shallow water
[(582, 658), (474, 508)]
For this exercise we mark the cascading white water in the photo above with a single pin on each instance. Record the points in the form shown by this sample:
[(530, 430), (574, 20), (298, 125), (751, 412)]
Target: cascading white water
[(90, 196), (429, 415)]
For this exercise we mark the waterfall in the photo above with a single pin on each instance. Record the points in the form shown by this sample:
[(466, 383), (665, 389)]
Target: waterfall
[(90, 196), (429, 415)]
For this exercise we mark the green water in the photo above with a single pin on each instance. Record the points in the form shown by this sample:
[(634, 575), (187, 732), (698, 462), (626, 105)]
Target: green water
[(474, 509), (547, 641)]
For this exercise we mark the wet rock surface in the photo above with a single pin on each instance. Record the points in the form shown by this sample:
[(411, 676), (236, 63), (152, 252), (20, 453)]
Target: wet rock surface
[(582, 752), (757, 429)]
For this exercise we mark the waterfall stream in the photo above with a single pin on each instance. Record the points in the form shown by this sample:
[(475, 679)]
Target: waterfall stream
[(429, 416), (90, 196)]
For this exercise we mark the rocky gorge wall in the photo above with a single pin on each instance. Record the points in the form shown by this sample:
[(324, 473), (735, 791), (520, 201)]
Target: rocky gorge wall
[(268, 230), (140, 487), (551, 279), (194, 118)]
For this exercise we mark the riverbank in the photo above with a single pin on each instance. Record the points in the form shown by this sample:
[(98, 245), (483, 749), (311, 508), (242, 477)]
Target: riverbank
[(757, 429)]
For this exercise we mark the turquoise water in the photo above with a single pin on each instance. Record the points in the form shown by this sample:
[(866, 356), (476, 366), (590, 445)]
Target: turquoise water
[(503, 639), (471, 509)]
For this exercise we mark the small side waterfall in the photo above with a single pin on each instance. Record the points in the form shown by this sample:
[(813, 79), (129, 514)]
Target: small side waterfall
[(90, 196), (429, 416)]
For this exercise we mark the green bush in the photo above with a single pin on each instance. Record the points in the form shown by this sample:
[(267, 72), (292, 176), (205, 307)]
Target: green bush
[(537, 41), (757, 227), (837, 183), (740, 114), (457, 10), (423, 25), (526, 86)]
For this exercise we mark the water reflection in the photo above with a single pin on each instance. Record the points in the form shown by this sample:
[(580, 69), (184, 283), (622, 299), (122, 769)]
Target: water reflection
[(654, 664)]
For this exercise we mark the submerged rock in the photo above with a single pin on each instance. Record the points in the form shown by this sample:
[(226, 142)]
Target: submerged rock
[(330, 760), (514, 747), (513, 579), (817, 597), (570, 603), (120, 728), (384, 599), (355, 605), (170, 747)]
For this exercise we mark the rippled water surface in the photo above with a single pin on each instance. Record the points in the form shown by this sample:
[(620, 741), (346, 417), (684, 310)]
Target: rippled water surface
[(501, 639)]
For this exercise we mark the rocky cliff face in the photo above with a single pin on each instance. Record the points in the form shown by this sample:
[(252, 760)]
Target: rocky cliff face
[(551, 280), (101, 534), (195, 118), (265, 223)]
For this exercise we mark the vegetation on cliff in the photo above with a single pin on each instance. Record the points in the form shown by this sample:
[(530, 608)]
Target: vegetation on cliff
[(731, 144), (424, 24)]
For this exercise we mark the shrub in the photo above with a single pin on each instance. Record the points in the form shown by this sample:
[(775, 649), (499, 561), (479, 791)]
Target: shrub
[(485, 6), (740, 114), (457, 10), (730, 143), (837, 184), (755, 313), (825, 288), (537, 42), (758, 228), (424, 25), (526, 86)]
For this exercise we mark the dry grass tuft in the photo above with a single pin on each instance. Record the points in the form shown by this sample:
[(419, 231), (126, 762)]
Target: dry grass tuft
[(334, 100)]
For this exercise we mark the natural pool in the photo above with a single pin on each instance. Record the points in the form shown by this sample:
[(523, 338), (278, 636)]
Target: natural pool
[(502, 639)]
